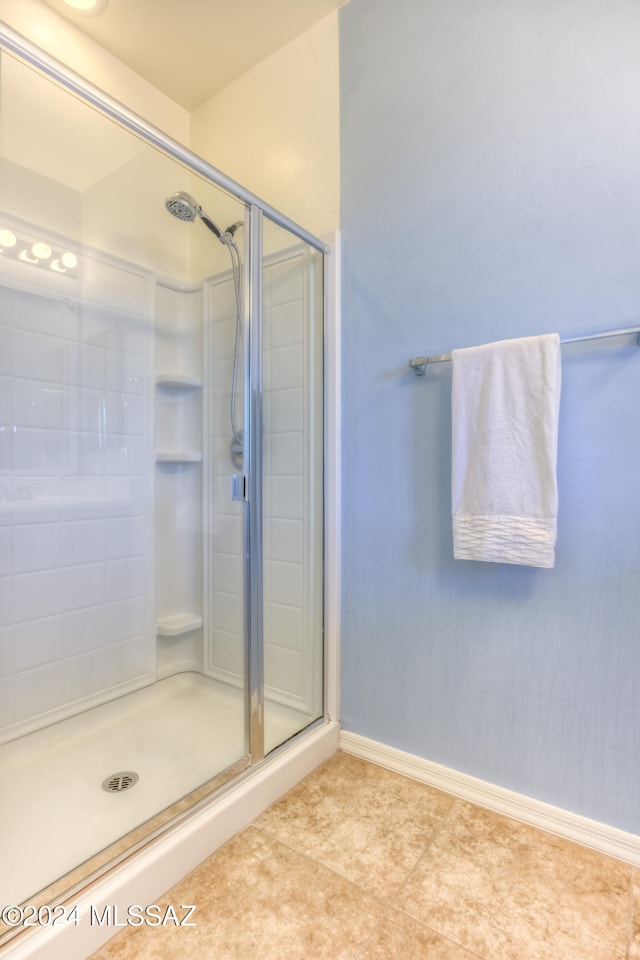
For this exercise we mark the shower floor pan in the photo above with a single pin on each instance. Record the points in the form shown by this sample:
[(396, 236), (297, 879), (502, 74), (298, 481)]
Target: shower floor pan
[(174, 735)]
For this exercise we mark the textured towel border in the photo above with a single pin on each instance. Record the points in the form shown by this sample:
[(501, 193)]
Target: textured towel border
[(503, 539)]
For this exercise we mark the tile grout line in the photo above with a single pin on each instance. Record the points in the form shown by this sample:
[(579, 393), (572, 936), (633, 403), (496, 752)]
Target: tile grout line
[(386, 906), (391, 907), (392, 904), (441, 936), (443, 822), (312, 859), (392, 899), (461, 801), (365, 943)]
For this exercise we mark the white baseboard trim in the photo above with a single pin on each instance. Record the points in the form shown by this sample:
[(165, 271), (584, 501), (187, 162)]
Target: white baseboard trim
[(562, 823)]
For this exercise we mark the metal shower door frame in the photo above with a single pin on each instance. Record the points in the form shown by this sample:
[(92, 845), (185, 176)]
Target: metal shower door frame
[(253, 469)]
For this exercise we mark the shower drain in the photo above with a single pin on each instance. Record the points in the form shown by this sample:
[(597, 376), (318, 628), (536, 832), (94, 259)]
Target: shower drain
[(120, 781)]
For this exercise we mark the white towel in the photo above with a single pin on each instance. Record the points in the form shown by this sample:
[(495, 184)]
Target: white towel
[(505, 404)]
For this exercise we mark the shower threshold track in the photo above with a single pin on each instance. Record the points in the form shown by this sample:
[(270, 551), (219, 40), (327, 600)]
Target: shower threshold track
[(175, 735)]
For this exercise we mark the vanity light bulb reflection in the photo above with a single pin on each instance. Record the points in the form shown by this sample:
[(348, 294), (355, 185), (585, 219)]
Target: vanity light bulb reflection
[(42, 251), (39, 253), (88, 6), (7, 238), (68, 261)]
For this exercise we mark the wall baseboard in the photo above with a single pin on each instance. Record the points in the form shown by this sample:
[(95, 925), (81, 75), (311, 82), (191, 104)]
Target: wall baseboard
[(562, 823)]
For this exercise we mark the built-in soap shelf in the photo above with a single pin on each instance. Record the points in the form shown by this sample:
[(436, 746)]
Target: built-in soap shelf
[(178, 624), (178, 456), (179, 412), (178, 381)]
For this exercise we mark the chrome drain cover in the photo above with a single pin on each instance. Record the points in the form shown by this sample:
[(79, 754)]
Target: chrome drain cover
[(118, 782)]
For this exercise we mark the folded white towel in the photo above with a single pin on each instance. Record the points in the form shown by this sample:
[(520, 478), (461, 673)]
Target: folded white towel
[(505, 403)]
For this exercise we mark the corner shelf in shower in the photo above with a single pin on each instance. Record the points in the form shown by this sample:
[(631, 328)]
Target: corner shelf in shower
[(178, 456), (178, 381), (183, 384), (178, 624)]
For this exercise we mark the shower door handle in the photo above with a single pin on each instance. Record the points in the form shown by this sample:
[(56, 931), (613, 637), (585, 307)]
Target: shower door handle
[(240, 487)]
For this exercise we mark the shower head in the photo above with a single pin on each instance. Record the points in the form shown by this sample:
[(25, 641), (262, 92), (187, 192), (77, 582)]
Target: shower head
[(184, 207)]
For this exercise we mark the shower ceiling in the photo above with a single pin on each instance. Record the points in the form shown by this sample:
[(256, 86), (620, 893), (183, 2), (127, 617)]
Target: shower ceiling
[(191, 49)]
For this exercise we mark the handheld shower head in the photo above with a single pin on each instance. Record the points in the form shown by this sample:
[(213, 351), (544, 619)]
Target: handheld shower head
[(183, 206)]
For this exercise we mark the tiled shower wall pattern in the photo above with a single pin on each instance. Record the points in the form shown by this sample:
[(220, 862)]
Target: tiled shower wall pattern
[(224, 657), (285, 320), (286, 589), (74, 612)]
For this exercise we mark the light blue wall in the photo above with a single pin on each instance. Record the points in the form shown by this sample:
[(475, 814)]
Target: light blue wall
[(491, 189)]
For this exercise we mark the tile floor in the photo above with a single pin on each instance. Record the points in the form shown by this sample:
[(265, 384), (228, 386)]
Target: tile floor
[(359, 863)]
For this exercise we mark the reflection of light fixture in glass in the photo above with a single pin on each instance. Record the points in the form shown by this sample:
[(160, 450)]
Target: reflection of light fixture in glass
[(92, 7), (48, 255), (27, 256), (42, 251), (69, 260), (7, 238)]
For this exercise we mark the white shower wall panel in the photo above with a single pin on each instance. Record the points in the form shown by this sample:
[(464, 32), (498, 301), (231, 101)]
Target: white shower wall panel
[(286, 476), (224, 644), (178, 345), (75, 609)]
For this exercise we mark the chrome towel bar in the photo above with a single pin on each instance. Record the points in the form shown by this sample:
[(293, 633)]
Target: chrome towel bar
[(419, 364)]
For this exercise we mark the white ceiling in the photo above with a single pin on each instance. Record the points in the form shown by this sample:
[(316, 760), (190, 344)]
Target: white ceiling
[(191, 49)]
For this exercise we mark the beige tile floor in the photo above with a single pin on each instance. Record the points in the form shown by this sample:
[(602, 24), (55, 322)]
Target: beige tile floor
[(359, 863)]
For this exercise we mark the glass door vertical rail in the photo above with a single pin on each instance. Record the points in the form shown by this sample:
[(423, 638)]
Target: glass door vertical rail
[(253, 468)]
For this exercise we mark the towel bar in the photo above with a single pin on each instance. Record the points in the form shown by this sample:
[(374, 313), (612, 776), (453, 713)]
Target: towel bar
[(419, 364)]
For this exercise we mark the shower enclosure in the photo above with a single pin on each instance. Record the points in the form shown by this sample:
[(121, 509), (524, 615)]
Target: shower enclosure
[(161, 480)]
